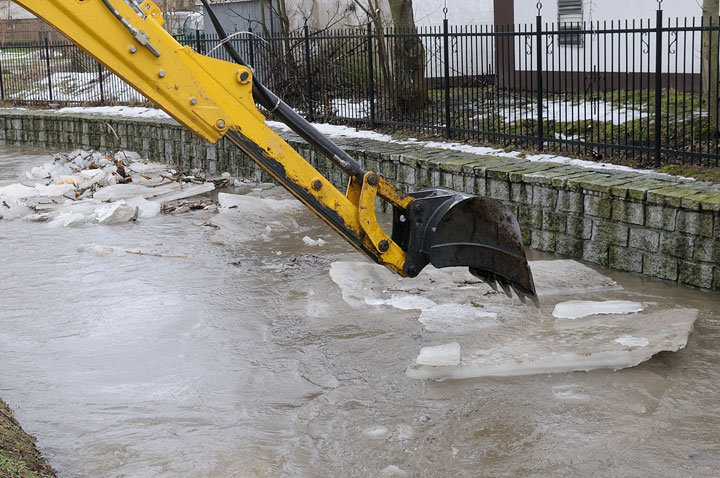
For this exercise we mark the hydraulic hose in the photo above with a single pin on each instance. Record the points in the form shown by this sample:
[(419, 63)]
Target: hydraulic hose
[(270, 101), (141, 37)]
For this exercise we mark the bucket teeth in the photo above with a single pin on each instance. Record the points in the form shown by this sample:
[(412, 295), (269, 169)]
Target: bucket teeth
[(449, 229)]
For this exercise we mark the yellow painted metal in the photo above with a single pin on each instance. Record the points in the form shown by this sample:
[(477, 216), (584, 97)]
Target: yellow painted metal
[(210, 98), (390, 193), (391, 253)]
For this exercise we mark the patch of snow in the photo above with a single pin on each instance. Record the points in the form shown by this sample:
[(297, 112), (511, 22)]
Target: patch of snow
[(577, 309), (81, 86), (124, 111), (563, 111), (344, 108), (336, 131)]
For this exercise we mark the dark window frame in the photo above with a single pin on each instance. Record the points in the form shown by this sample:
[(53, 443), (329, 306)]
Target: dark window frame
[(570, 8)]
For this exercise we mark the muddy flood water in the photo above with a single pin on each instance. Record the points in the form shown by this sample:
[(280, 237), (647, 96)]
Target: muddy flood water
[(258, 343)]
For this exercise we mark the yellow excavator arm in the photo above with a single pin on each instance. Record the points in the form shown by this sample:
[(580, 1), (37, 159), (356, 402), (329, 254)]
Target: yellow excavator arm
[(217, 99)]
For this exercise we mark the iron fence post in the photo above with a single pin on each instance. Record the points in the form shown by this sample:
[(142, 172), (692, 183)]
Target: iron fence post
[(541, 132), (197, 40), (308, 72), (251, 48), (371, 74), (446, 46), (658, 86), (47, 64), (102, 88), (2, 83)]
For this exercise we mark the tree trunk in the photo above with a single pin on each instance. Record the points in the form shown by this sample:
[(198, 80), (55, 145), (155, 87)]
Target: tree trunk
[(710, 62), (411, 93)]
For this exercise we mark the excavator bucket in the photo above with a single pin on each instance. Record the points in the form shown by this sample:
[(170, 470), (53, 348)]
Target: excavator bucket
[(445, 228)]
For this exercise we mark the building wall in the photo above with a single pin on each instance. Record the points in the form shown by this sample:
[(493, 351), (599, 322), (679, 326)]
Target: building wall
[(460, 12), (606, 10), (617, 53)]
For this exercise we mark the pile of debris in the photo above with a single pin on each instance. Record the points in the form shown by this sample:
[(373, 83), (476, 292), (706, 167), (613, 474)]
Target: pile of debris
[(92, 187)]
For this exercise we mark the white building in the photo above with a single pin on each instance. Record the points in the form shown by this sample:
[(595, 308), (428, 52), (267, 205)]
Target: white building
[(525, 11)]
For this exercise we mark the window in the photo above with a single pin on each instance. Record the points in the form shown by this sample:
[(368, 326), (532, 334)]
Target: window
[(570, 17)]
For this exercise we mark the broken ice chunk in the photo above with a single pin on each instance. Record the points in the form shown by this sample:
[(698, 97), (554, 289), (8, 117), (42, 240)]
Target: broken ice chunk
[(393, 471), (115, 213), (67, 219), (312, 242), (576, 309), (440, 355), (147, 208), (119, 191)]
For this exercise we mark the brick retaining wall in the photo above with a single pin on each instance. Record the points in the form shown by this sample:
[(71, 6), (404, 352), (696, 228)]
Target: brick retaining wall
[(647, 223)]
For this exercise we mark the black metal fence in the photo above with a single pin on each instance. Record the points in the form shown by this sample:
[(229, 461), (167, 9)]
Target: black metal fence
[(643, 92)]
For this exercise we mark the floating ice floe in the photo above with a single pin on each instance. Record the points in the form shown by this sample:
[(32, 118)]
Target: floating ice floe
[(577, 309), (457, 318), (246, 217), (630, 341), (497, 336), (403, 302), (439, 355)]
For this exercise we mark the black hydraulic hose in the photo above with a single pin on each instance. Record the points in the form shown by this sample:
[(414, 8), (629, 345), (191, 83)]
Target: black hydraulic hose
[(117, 15), (269, 100)]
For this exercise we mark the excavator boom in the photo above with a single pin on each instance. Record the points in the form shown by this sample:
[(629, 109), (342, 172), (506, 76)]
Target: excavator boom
[(216, 99)]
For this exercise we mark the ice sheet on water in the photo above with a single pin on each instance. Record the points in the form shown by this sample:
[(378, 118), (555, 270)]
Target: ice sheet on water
[(245, 217), (577, 309), (439, 355), (403, 302), (609, 344), (630, 341), (501, 337), (457, 318), (100, 250), (361, 280)]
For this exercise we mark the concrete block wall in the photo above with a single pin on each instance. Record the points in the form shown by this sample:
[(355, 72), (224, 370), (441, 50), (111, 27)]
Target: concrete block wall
[(651, 224)]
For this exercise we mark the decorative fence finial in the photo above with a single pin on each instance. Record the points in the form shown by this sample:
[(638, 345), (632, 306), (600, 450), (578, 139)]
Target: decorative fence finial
[(445, 10), (539, 7)]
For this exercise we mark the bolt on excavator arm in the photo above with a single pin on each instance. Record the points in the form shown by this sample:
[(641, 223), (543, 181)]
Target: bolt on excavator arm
[(216, 99)]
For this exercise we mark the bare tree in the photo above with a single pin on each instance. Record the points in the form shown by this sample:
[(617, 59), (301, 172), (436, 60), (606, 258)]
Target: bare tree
[(710, 12), (405, 82), (410, 54)]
